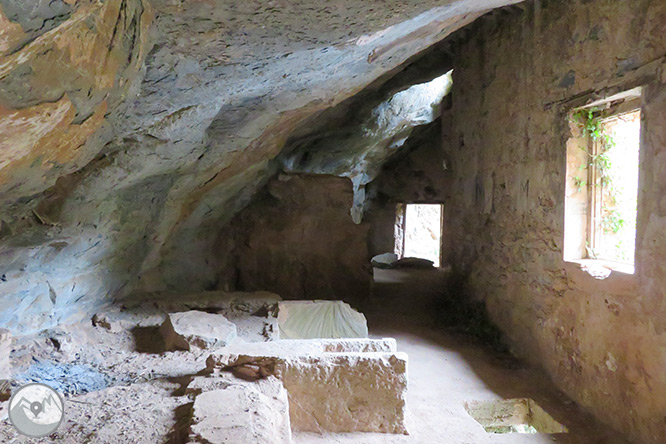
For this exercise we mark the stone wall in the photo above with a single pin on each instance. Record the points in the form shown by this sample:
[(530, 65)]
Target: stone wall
[(517, 75), (297, 239), (418, 175)]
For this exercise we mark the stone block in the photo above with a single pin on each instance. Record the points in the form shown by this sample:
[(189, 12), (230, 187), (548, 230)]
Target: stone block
[(113, 321), (242, 413), (197, 329), (334, 385), (346, 392)]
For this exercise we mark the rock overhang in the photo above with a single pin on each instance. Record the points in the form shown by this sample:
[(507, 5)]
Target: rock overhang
[(157, 120)]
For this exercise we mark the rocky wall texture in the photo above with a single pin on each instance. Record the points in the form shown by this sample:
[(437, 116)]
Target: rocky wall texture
[(132, 130), (298, 240), (417, 175), (374, 131), (516, 77)]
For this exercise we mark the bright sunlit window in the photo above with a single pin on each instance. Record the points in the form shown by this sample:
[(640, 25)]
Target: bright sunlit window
[(602, 184)]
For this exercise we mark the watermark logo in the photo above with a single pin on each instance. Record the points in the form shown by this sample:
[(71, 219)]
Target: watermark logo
[(36, 410)]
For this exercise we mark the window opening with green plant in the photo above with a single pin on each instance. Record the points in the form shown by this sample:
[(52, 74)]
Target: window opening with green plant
[(604, 178)]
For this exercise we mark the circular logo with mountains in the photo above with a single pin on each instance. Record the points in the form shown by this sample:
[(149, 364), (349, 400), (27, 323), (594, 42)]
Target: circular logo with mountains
[(36, 410)]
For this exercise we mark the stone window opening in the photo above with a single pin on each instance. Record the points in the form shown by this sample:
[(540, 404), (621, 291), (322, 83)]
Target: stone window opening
[(602, 184), (418, 231)]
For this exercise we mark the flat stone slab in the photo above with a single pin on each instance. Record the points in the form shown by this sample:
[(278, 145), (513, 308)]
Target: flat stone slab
[(333, 385), (197, 329), (320, 319), (255, 328), (242, 413), (148, 309), (299, 347)]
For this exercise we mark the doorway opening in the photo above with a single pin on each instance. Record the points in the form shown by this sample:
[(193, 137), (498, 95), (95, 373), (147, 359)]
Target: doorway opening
[(418, 232)]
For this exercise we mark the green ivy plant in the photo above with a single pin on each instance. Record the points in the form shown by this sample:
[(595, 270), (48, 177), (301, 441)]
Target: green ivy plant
[(590, 121), (580, 183), (612, 222)]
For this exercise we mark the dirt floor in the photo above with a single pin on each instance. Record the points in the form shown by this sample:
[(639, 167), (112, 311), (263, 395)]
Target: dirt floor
[(145, 400)]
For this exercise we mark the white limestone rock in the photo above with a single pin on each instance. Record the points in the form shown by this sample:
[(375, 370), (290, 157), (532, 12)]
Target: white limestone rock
[(197, 329), (114, 321), (210, 382), (242, 413), (5, 350), (253, 313), (320, 319), (255, 328)]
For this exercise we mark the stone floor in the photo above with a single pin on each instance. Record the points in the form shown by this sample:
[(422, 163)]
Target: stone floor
[(445, 371), (146, 400)]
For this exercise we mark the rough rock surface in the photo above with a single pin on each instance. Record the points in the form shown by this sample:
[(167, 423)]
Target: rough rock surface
[(197, 329), (231, 303), (5, 350), (369, 394), (299, 347), (386, 345), (131, 130), (155, 406), (418, 173), (340, 391), (252, 313), (242, 413), (358, 151)]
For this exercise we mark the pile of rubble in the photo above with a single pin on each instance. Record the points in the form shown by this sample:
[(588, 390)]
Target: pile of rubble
[(254, 368), (260, 391)]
